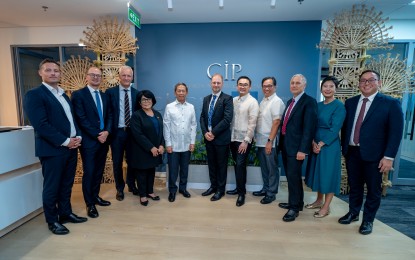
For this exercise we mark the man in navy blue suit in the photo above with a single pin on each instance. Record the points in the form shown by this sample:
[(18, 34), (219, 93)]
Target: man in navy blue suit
[(122, 100), (94, 117), (57, 138), (371, 135)]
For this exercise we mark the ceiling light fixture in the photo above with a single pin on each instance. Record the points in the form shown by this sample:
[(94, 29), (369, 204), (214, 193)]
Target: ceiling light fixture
[(221, 4), (169, 4), (273, 3), (412, 3)]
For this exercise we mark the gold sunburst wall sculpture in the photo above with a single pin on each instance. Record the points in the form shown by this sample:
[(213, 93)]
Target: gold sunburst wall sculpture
[(73, 73)]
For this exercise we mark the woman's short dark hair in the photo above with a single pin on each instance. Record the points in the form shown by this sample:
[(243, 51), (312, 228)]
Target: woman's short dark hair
[(330, 78), (147, 94)]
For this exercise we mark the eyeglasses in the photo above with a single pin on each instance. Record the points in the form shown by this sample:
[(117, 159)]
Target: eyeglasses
[(146, 100), (267, 86), (92, 75), (364, 81)]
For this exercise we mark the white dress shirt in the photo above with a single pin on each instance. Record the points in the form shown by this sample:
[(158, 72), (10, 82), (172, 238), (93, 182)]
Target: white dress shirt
[(245, 113), (179, 126)]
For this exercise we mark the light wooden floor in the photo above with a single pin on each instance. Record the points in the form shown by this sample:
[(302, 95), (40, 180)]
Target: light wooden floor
[(197, 228)]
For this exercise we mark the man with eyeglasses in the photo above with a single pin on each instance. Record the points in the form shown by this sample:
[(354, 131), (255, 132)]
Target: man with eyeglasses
[(271, 109), (245, 113), (122, 100), (370, 138), (94, 117)]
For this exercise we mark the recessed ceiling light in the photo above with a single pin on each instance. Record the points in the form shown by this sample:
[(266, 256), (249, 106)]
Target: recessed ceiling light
[(412, 3)]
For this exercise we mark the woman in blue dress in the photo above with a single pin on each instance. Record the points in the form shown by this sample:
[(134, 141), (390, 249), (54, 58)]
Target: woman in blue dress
[(324, 164)]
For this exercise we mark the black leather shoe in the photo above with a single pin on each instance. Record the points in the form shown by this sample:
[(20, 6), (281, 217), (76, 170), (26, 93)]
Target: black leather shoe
[(185, 193), (172, 197), (232, 192), (209, 192), (120, 195), (153, 197), (133, 190), (284, 205), (366, 228), (240, 201), (72, 218), (260, 193), (92, 211), (267, 199), (102, 202), (144, 203), (290, 216), (348, 218), (57, 228), (218, 195)]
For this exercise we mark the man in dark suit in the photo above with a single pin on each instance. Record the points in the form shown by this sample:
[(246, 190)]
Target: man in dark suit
[(57, 138), (297, 132), (122, 101), (93, 115), (215, 122), (371, 135)]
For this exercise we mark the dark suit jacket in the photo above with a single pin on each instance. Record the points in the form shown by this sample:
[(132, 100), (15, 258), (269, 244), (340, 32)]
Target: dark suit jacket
[(49, 121), (221, 118), (145, 137), (86, 114), (301, 126), (381, 130), (114, 101)]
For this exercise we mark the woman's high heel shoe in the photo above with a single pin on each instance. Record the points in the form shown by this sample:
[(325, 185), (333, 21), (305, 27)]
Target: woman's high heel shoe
[(317, 214), (314, 206), (153, 198), (144, 203)]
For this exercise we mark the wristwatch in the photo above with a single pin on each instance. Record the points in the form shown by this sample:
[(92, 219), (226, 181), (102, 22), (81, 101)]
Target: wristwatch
[(269, 140)]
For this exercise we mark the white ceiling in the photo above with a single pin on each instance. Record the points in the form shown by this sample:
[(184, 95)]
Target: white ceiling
[(23, 13)]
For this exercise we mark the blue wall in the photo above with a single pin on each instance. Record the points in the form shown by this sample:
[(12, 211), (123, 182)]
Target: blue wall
[(171, 53)]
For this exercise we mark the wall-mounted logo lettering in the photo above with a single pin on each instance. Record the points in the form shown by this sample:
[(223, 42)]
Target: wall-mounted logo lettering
[(236, 68)]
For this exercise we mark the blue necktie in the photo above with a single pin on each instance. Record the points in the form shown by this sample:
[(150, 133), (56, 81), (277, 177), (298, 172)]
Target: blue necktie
[(99, 107), (210, 113)]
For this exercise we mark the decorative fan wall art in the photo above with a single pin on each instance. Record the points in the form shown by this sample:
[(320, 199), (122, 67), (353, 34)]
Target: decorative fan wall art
[(73, 73)]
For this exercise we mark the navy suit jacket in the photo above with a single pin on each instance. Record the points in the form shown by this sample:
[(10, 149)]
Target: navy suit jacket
[(221, 118), (86, 114), (114, 101), (381, 130), (301, 126), (49, 121)]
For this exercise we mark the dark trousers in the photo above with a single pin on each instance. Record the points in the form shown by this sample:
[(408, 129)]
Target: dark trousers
[(58, 176), (217, 156), (359, 173), (145, 179), (269, 169), (178, 163), (93, 164), (293, 170), (239, 161), (121, 142)]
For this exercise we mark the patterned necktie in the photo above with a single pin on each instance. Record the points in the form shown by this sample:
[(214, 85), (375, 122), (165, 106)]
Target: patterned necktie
[(356, 135), (99, 107), (127, 115), (210, 113), (287, 116)]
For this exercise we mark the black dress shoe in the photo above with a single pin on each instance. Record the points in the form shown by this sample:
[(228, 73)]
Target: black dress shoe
[(284, 205), (209, 191), (267, 199), (185, 193), (290, 215), (240, 201), (144, 203), (92, 211), (120, 195), (217, 196), (153, 197), (348, 218), (100, 201), (260, 193), (366, 228), (57, 228), (72, 218), (232, 192), (172, 197)]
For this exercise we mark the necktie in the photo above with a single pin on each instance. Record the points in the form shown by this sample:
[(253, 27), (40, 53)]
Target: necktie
[(210, 113), (127, 115), (287, 116), (356, 135), (99, 107)]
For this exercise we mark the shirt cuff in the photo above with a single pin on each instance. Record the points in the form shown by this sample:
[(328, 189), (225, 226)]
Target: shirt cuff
[(389, 158), (66, 142)]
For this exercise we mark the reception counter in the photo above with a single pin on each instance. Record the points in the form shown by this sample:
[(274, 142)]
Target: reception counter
[(20, 179)]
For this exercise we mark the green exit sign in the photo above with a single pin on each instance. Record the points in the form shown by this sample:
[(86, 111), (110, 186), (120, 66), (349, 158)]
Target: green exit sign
[(134, 17)]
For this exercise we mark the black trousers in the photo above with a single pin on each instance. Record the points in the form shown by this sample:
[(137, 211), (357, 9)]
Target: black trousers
[(217, 156), (145, 179), (240, 161)]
